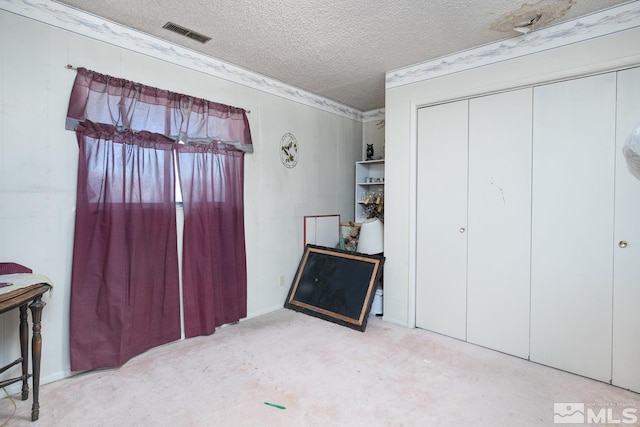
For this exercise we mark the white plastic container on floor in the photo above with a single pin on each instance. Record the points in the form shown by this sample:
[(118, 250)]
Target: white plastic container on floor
[(376, 306)]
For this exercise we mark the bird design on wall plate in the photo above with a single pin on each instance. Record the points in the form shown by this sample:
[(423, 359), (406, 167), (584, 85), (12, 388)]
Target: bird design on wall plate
[(289, 150)]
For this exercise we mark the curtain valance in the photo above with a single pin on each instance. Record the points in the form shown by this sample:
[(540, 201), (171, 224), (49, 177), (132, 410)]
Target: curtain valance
[(127, 105)]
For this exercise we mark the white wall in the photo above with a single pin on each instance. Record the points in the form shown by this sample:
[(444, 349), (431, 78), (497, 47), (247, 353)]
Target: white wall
[(373, 133), (551, 61), (38, 163)]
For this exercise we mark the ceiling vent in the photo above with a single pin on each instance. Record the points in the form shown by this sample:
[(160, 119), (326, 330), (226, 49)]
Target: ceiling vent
[(186, 32)]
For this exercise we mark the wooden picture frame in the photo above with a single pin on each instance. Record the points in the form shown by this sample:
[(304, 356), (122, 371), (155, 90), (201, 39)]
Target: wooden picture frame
[(336, 285)]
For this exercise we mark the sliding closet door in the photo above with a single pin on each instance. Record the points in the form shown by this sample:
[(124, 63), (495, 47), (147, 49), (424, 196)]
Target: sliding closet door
[(442, 219), (572, 225), (500, 221), (626, 287)]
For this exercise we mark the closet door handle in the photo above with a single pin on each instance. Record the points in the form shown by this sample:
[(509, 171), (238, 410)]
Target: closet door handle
[(623, 243), (462, 229)]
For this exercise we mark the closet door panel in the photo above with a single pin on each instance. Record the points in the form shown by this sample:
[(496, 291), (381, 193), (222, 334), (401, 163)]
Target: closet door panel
[(499, 236), (572, 225), (442, 217), (626, 285)]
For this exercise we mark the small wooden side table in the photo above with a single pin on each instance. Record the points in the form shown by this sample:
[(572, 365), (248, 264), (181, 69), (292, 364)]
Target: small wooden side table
[(31, 297)]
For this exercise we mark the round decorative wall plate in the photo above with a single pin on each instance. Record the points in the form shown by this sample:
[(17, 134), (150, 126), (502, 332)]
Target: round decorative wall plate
[(289, 150)]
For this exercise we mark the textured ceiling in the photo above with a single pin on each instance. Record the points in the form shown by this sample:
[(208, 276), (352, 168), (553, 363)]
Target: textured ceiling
[(337, 49)]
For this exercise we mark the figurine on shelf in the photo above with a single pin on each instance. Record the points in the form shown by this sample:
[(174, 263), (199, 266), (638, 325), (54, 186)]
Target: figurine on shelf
[(369, 151)]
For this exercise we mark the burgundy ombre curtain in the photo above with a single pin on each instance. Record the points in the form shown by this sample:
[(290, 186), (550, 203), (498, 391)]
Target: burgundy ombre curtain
[(124, 286), (128, 105), (214, 274)]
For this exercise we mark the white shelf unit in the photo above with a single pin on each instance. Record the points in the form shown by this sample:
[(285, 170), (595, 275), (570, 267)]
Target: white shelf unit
[(369, 178)]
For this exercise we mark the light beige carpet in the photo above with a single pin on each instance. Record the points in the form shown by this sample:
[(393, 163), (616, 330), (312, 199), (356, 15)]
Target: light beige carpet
[(323, 374)]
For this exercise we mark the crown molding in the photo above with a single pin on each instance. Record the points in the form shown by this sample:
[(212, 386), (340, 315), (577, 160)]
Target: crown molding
[(373, 115), (598, 24), (82, 23)]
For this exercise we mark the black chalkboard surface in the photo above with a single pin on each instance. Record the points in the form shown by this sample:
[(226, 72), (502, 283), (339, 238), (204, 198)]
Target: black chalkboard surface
[(335, 285)]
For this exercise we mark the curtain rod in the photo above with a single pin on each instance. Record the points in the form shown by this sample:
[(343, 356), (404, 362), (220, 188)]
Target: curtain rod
[(71, 67)]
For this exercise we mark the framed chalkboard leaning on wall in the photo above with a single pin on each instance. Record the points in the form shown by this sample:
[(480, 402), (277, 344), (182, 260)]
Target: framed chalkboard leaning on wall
[(335, 285)]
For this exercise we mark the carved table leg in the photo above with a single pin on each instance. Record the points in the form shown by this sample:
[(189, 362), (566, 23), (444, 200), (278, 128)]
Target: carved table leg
[(36, 352), (24, 350)]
